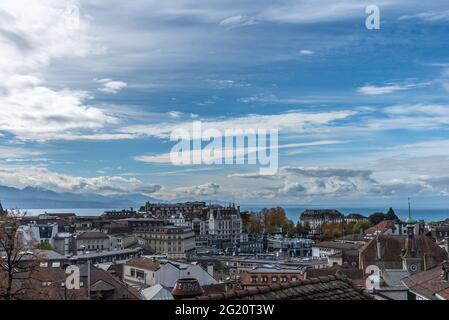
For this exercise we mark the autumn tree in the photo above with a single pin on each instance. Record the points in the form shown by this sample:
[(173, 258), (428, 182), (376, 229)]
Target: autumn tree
[(360, 226), (254, 224), (275, 219), (331, 231)]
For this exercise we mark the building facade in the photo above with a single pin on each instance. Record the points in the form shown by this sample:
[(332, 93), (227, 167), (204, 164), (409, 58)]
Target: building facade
[(92, 240), (316, 218), (225, 225)]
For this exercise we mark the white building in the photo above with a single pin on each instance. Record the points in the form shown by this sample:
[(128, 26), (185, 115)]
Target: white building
[(178, 220), (146, 272), (38, 233), (316, 218), (63, 243), (225, 225)]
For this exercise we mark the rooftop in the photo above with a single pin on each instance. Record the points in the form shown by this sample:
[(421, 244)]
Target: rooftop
[(144, 263), (431, 283), (92, 235), (319, 213), (337, 245), (322, 288)]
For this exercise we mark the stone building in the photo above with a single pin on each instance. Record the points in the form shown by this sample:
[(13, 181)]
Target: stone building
[(316, 218), (225, 225), (92, 240)]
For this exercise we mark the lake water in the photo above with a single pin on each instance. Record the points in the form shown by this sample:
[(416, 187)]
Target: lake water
[(292, 212)]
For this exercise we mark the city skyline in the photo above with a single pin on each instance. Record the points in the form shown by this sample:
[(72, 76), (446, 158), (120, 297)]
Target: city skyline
[(88, 105)]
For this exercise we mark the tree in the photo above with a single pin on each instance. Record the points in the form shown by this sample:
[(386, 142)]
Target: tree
[(276, 220), (331, 231), (254, 224), (302, 229), (44, 246), (361, 225), (391, 215), (376, 217), (18, 263)]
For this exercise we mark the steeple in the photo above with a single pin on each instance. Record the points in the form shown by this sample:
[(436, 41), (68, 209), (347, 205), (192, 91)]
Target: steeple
[(410, 223), (2, 212)]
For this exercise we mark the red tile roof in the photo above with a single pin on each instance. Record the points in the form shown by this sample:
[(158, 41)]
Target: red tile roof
[(144, 263), (381, 227), (429, 283)]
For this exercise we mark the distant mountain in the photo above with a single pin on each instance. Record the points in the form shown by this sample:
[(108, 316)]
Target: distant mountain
[(39, 198)]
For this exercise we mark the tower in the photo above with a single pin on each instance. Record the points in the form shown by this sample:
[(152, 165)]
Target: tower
[(2, 212), (410, 223), (411, 261)]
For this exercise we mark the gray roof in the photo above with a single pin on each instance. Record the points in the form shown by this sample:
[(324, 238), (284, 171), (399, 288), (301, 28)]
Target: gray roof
[(157, 292), (393, 277), (93, 235), (321, 213), (105, 253), (337, 245)]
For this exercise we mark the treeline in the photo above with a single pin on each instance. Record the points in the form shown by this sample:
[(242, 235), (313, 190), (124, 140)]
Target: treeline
[(275, 220), (272, 220)]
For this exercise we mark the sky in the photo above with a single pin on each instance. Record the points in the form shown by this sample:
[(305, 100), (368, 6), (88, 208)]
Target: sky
[(88, 105)]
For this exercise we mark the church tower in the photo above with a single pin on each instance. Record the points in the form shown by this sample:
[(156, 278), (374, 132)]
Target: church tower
[(2, 212), (411, 260)]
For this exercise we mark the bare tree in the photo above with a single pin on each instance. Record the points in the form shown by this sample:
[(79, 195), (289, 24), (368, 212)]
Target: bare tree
[(18, 259)]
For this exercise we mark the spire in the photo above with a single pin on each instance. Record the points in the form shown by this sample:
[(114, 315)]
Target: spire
[(1, 209), (410, 223), (409, 210)]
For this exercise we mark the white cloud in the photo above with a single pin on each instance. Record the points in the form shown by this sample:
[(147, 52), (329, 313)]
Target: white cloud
[(17, 153), (111, 86), (430, 16), (37, 176), (175, 114), (35, 112), (238, 21), (236, 153), (294, 121), (306, 52), (378, 90), (202, 191), (32, 34)]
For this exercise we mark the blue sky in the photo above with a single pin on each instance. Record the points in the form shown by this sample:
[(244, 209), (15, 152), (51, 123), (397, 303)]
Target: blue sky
[(90, 107)]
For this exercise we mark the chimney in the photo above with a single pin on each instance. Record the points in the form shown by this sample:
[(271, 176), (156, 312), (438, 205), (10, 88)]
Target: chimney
[(379, 249), (210, 269)]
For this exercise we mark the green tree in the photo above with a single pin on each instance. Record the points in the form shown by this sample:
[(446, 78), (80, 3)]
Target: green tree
[(44, 246), (376, 217), (302, 229)]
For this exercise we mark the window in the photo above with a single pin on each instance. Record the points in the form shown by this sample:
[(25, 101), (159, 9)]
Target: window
[(56, 264), (284, 279), (254, 279), (264, 279), (133, 272), (274, 279), (140, 274)]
